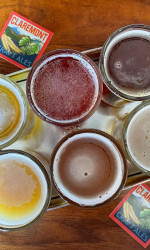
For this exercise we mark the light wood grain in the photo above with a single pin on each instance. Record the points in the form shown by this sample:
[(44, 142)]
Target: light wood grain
[(77, 24)]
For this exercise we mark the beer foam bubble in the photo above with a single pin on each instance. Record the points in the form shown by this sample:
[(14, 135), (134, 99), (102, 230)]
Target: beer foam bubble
[(18, 179), (138, 138), (118, 65), (83, 170), (7, 111), (85, 64)]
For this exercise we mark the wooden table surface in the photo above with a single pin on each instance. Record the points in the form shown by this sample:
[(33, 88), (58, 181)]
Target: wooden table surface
[(81, 25)]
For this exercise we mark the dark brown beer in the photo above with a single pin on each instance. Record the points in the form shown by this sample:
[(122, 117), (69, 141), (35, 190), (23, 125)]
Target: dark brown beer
[(125, 62), (129, 64)]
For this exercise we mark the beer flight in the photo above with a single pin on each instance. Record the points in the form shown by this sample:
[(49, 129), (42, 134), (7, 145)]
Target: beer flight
[(88, 167)]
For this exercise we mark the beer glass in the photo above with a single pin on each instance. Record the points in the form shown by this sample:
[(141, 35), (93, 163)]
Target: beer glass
[(136, 137), (14, 112), (64, 87), (88, 168), (125, 62), (25, 189)]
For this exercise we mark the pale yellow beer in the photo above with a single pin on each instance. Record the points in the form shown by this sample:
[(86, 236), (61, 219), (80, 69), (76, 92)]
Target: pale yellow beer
[(24, 189), (13, 111)]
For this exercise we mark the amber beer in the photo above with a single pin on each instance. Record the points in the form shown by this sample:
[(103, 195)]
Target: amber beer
[(125, 62), (136, 136), (13, 111), (64, 87), (88, 168), (24, 189)]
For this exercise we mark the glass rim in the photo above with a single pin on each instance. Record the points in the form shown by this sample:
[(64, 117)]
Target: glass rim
[(48, 196), (106, 80), (124, 132), (25, 113), (76, 120), (119, 148)]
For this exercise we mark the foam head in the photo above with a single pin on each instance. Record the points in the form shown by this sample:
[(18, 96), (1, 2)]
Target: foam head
[(88, 168), (13, 111), (64, 87), (137, 136), (24, 189)]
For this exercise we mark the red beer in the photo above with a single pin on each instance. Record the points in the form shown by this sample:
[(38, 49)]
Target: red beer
[(64, 87)]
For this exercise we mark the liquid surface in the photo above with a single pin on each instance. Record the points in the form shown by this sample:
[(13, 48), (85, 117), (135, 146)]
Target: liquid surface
[(138, 137), (87, 169), (64, 89), (20, 192), (129, 65), (9, 111)]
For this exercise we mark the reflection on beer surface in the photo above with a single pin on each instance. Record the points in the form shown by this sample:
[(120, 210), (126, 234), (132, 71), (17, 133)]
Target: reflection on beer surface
[(22, 190), (137, 137), (88, 169)]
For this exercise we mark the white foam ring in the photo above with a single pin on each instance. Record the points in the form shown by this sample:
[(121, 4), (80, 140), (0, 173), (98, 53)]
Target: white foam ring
[(85, 64), (110, 192), (22, 159)]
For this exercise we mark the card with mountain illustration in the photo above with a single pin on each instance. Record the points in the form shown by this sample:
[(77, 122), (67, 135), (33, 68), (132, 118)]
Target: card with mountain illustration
[(133, 214), (22, 41)]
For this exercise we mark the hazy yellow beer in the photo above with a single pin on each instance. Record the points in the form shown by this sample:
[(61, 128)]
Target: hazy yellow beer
[(24, 189), (13, 111)]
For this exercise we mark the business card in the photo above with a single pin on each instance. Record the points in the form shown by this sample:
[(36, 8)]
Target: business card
[(22, 42), (133, 214)]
